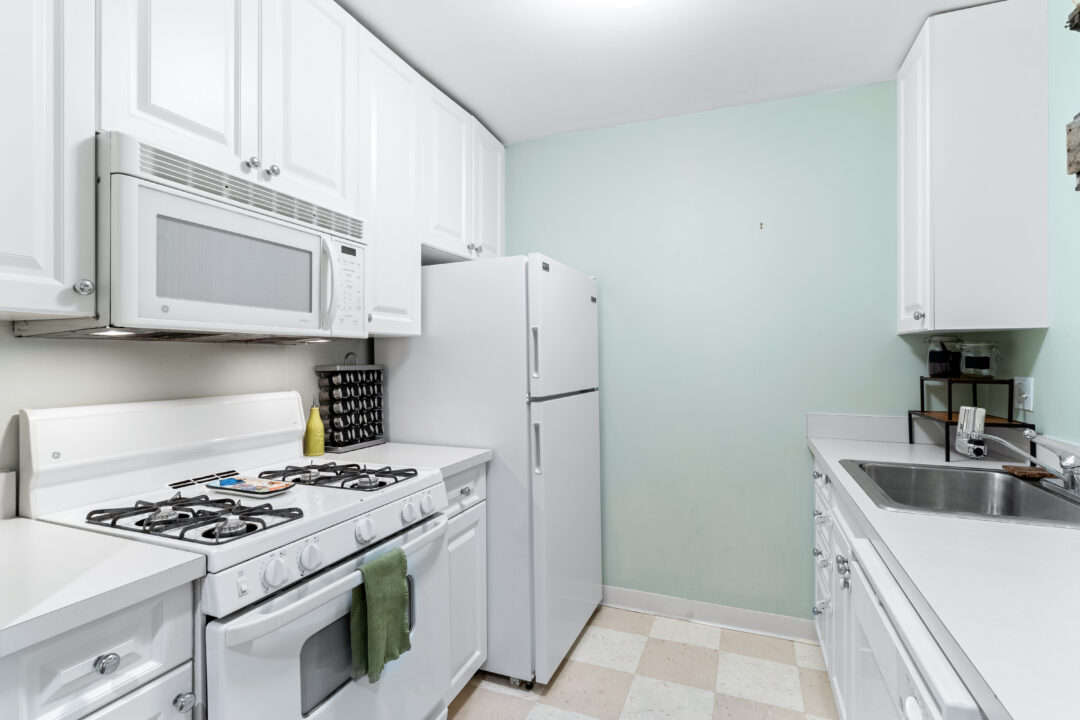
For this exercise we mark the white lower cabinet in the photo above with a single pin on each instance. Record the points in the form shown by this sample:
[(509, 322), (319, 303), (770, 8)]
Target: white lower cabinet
[(467, 542), (70, 675), (832, 589), (169, 697)]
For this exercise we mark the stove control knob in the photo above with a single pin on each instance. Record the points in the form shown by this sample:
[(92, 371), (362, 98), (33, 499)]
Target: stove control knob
[(427, 505), (365, 531), (311, 557), (275, 574), (409, 514)]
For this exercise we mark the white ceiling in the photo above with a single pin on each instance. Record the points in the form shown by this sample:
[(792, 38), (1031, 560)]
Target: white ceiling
[(532, 68)]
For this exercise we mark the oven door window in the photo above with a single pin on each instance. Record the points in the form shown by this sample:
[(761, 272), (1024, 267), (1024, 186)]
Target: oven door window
[(326, 660)]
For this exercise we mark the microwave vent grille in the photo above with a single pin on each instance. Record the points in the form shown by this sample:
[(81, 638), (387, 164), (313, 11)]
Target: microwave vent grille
[(165, 165)]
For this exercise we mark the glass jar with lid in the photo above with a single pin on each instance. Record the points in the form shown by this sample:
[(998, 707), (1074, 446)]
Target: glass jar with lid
[(943, 356), (979, 359)]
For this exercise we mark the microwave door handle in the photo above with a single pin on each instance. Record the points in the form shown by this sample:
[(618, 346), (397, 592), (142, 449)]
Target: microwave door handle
[(330, 313), (257, 624)]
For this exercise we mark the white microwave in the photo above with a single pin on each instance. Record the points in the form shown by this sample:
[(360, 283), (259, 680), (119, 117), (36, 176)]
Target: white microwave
[(187, 252)]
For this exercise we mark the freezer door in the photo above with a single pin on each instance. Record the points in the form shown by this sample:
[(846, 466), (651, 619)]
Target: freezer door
[(565, 468), (563, 352)]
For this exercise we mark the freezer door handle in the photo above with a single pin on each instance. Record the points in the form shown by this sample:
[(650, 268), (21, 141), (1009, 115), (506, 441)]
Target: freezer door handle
[(537, 467), (536, 350)]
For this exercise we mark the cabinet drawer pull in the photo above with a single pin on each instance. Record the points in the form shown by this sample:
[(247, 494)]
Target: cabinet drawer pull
[(918, 315), (466, 491), (106, 664), (184, 702)]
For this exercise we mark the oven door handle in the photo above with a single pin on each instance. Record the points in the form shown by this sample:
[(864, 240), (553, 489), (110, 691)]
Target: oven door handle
[(256, 624)]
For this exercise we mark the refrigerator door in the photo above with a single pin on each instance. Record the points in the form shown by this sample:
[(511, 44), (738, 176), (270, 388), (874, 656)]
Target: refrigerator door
[(565, 468), (563, 347)]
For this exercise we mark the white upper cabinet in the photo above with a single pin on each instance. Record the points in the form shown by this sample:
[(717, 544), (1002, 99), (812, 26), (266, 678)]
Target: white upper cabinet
[(47, 235), (973, 174), (489, 195), (263, 89), (389, 133), (446, 158), (183, 75), (310, 103)]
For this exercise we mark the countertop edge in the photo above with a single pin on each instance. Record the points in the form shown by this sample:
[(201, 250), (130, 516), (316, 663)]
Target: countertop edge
[(34, 630), (980, 689)]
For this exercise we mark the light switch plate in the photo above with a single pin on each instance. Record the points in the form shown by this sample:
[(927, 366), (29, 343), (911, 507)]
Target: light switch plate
[(1024, 397)]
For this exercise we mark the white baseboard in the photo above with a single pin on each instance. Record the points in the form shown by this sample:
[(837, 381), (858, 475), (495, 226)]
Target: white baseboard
[(733, 618)]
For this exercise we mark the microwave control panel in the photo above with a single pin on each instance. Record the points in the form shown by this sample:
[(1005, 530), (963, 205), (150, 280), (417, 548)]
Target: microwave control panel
[(349, 321)]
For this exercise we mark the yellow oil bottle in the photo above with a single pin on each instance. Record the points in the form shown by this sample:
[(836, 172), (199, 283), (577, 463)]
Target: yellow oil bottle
[(314, 433)]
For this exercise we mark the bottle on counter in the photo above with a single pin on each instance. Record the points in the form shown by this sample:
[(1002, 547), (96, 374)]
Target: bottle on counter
[(314, 433)]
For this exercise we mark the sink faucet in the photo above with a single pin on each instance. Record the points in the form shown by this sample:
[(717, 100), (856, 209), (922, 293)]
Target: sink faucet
[(971, 441)]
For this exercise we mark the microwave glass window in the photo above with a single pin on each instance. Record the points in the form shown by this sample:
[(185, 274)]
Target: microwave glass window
[(205, 264)]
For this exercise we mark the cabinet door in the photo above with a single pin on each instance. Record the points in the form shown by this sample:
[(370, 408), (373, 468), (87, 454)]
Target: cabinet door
[(840, 668), (467, 541), (489, 174), (158, 700), (390, 119), (47, 138), (915, 260), (446, 138), (182, 75), (989, 174), (310, 102)]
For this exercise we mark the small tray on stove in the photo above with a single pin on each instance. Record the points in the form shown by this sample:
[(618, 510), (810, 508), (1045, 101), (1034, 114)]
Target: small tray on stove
[(249, 486)]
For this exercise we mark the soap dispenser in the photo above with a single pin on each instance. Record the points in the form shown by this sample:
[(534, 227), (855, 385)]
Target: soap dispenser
[(314, 433)]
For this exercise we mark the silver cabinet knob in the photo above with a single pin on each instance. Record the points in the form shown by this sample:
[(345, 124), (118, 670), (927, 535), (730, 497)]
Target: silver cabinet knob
[(817, 475), (84, 286), (466, 491), (817, 553), (918, 315), (273, 171), (817, 513), (471, 247), (184, 702), (479, 249), (252, 163), (106, 664)]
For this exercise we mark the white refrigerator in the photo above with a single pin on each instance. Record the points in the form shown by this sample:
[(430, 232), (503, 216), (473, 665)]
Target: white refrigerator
[(508, 360)]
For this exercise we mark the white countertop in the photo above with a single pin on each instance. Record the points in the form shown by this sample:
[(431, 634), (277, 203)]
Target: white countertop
[(999, 597), (450, 460), (56, 578)]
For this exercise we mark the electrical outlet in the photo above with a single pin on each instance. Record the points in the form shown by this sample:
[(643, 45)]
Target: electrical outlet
[(1024, 397)]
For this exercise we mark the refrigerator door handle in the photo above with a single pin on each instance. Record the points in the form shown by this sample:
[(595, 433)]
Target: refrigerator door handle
[(536, 350), (537, 467)]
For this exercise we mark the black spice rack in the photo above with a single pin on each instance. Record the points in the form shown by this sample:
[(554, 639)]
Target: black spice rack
[(950, 419), (351, 403)]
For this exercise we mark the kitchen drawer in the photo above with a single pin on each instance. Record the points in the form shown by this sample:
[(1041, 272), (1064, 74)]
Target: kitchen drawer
[(59, 679), (466, 489), (158, 700)]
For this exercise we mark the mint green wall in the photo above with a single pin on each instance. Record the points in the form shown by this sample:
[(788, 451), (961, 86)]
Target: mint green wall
[(718, 336), (1052, 356)]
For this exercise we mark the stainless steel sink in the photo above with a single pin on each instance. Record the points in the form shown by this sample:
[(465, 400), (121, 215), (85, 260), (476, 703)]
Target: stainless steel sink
[(963, 492)]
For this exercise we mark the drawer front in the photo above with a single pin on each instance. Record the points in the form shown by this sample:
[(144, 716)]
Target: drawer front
[(159, 700), (465, 489), (61, 678)]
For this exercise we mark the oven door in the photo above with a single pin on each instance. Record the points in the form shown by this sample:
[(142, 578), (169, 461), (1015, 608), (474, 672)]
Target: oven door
[(184, 262), (289, 657)]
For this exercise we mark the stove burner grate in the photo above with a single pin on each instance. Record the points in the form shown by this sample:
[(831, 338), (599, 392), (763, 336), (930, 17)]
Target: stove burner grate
[(351, 476)]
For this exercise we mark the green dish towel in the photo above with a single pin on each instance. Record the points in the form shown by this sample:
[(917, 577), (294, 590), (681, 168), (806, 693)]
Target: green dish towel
[(379, 618)]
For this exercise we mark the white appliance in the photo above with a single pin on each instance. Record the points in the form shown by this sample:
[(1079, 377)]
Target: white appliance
[(900, 672), (187, 252), (509, 360), (271, 632)]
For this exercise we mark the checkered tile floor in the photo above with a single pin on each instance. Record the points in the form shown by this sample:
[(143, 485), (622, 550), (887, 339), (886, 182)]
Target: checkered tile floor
[(633, 666)]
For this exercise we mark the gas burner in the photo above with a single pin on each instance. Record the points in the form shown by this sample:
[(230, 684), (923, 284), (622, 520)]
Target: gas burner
[(220, 520), (238, 522), (156, 514), (351, 476)]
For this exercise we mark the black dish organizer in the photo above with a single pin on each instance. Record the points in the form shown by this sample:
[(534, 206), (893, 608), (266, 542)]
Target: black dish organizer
[(351, 403)]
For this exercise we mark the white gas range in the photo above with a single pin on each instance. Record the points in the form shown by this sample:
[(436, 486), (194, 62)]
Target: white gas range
[(280, 570)]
